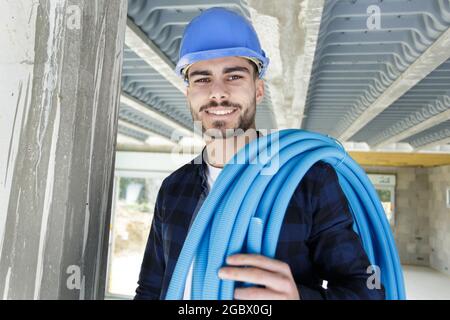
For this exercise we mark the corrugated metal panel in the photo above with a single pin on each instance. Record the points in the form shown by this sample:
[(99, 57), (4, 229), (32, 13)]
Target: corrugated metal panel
[(132, 133), (428, 98), (354, 64), (437, 133), (143, 121), (147, 85)]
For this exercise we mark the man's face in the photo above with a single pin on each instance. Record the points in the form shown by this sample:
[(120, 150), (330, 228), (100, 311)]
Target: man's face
[(223, 94)]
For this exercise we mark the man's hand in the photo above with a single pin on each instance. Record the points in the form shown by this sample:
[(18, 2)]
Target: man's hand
[(275, 275)]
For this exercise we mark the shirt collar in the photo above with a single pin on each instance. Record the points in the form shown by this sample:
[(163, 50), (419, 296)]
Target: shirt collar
[(201, 166)]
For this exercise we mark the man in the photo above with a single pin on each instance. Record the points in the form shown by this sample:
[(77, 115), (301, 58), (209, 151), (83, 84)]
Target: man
[(222, 62)]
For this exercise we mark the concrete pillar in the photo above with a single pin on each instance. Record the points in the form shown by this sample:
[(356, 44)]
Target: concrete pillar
[(60, 71)]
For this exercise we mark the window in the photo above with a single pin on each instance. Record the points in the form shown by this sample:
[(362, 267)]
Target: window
[(385, 186), (448, 198), (135, 197)]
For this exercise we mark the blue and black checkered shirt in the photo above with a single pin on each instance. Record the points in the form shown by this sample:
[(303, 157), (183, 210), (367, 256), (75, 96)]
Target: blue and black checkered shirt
[(316, 240)]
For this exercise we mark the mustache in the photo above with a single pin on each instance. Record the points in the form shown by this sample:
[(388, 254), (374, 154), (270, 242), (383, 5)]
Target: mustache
[(224, 103)]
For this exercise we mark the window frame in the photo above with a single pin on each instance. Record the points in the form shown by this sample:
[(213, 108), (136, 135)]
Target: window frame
[(119, 173)]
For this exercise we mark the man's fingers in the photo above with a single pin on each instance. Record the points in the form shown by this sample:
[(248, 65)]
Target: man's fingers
[(262, 277), (257, 294), (274, 275), (259, 261)]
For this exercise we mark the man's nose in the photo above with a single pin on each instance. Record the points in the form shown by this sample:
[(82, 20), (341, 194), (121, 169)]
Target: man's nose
[(218, 91)]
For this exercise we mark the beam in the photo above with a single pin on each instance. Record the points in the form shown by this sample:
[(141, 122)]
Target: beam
[(137, 41), (312, 16), (402, 147), (442, 148), (434, 144), (143, 108), (400, 159), (434, 56), (148, 132), (126, 139), (431, 122), (193, 150), (395, 147)]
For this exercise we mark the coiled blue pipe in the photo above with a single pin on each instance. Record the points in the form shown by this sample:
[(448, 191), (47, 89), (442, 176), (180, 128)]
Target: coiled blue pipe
[(246, 207)]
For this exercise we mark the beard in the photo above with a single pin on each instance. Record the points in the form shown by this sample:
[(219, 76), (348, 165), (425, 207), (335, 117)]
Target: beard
[(219, 129)]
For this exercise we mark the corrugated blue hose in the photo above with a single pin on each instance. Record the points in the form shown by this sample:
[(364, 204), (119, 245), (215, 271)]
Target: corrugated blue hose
[(245, 210)]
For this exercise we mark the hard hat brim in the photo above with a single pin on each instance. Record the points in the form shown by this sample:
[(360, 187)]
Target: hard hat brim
[(194, 57)]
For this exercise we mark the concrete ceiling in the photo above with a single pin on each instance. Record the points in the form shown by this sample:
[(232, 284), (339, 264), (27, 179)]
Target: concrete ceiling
[(369, 72)]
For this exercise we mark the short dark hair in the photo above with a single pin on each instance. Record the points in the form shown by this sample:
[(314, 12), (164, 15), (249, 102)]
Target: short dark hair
[(255, 70)]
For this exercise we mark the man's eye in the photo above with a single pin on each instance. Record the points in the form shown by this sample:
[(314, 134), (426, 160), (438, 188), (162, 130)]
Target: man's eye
[(235, 77), (202, 80)]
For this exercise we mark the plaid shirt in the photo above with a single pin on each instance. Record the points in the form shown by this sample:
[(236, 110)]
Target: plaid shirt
[(316, 240)]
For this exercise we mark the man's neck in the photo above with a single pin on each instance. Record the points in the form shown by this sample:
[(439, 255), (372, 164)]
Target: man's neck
[(220, 151)]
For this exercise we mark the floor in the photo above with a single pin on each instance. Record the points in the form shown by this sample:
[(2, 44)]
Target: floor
[(423, 283)]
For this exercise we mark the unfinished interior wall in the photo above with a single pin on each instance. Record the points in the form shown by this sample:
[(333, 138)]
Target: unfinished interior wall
[(60, 77), (413, 232), (422, 228), (411, 229), (440, 219)]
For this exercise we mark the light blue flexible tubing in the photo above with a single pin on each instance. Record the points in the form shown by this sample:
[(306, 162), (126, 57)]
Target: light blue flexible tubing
[(245, 209)]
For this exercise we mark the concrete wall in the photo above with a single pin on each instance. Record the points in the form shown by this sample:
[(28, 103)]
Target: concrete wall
[(60, 71), (422, 226), (411, 229), (412, 232), (439, 219)]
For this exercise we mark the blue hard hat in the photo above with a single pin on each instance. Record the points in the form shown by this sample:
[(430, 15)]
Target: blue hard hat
[(218, 33)]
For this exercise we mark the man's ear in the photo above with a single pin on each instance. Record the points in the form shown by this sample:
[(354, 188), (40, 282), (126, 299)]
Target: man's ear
[(259, 90)]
